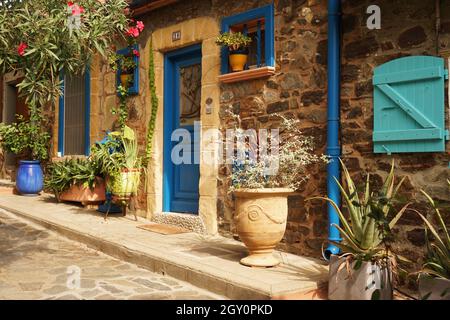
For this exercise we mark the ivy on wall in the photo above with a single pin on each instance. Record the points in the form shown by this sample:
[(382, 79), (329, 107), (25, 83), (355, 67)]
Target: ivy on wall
[(154, 104)]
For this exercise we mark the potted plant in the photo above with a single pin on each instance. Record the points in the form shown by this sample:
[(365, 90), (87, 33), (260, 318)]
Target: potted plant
[(126, 61), (78, 180), (40, 39), (27, 140), (434, 279), (119, 161), (127, 66), (237, 44), (261, 185), (367, 265), (127, 182)]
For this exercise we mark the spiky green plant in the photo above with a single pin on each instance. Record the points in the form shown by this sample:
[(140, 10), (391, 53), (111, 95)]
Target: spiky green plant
[(437, 262), (371, 217), (61, 175)]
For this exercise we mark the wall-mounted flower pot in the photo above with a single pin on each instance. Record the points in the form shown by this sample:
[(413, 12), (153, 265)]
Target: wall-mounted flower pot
[(84, 194), (126, 184), (260, 219), (29, 178), (370, 281), (238, 60), (431, 288)]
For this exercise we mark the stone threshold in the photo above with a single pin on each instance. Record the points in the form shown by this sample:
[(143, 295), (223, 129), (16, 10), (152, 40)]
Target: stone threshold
[(208, 262)]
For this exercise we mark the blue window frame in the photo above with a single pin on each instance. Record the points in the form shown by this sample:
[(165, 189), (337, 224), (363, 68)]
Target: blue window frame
[(261, 21), (134, 88), (87, 111)]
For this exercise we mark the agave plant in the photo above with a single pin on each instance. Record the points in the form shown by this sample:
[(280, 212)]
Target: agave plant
[(368, 228), (438, 252)]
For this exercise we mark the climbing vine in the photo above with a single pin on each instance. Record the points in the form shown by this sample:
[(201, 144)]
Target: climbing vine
[(122, 109), (154, 104)]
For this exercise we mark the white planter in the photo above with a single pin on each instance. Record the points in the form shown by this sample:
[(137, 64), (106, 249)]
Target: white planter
[(434, 288), (360, 284)]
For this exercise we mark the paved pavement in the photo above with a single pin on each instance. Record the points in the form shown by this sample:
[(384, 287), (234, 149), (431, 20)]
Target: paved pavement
[(38, 264), (205, 261)]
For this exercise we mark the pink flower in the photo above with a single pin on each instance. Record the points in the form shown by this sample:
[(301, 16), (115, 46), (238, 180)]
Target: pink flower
[(133, 32), (76, 9), (21, 48), (136, 53), (70, 3), (140, 25)]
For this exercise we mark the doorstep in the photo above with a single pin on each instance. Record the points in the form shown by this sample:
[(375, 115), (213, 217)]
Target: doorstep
[(209, 262)]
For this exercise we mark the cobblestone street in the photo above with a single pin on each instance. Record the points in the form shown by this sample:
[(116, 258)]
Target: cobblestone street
[(38, 264)]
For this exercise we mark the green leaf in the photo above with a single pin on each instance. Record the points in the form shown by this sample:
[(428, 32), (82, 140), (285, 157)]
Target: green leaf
[(376, 295)]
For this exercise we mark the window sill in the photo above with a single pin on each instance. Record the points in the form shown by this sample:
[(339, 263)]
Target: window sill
[(247, 75)]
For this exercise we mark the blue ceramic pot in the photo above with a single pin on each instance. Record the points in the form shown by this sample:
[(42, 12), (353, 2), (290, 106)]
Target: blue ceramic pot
[(30, 178)]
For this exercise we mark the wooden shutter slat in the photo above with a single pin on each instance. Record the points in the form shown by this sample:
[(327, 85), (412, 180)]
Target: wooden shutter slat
[(403, 103), (421, 74), (401, 135)]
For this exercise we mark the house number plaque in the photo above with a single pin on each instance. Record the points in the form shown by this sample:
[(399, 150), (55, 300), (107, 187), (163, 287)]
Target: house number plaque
[(176, 35)]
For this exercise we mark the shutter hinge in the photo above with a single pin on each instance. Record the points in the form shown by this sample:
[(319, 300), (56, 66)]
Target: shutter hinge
[(447, 135), (446, 74)]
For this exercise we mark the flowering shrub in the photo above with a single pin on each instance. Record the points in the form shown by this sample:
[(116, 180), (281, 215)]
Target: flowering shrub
[(126, 62), (42, 38), (281, 160), (233, 40)]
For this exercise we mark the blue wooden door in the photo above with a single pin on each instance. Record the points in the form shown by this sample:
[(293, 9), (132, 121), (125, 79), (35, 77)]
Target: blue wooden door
[(182, 95), (409, 102)]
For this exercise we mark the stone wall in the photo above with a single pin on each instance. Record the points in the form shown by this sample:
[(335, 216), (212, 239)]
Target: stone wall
[(299, 89), (407, 28)]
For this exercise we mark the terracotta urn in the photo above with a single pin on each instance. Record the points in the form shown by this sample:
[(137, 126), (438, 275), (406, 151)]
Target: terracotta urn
[(260, 220)]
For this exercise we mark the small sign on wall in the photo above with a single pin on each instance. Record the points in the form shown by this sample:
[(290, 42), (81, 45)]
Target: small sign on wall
[(176, 35)]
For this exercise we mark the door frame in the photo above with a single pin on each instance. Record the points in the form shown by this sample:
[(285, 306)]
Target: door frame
[(87, 111), (194, 54)]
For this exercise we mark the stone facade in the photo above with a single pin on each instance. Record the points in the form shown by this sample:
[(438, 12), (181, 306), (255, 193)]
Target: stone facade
[(298, 89)]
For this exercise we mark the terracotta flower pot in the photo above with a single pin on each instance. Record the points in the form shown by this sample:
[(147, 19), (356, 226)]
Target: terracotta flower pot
[(125, 79), (238, 59), (85, 195), (260, 219)]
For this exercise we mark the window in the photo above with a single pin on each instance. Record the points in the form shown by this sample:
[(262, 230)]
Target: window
[(259, 25), (74, 109)]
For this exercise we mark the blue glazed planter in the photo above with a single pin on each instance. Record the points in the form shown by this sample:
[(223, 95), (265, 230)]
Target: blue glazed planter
[(30, 178)]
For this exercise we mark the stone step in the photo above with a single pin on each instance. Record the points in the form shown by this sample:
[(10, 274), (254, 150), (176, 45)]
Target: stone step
[(207, 262)]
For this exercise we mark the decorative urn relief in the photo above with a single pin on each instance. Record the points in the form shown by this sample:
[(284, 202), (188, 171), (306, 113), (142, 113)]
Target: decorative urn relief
[(260, 219)]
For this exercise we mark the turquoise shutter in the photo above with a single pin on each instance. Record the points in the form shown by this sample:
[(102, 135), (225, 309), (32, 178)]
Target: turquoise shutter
[(409, 105)]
